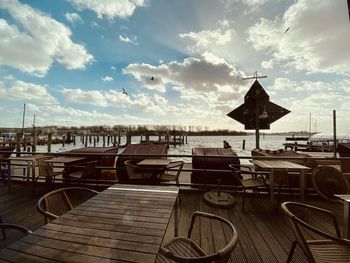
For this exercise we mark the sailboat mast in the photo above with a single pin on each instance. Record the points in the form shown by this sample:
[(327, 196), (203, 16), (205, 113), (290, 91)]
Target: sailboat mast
[(24, 114), (310, 124)]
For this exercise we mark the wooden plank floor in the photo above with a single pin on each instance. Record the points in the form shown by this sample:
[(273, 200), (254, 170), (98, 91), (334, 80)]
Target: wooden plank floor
[(264, 235)]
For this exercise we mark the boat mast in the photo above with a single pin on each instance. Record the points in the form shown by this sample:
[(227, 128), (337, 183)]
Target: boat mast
[(24, 114), (310, 124)]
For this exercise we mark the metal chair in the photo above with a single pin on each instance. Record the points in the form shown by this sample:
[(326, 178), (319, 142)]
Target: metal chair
[(89, 172), (184, 249), (247, 183), (331, 248), (137, 174), (5, 227), (172, 172), (58, 202)]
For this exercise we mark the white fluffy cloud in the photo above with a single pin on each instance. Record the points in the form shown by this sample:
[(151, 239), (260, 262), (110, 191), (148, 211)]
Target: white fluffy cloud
[(206, 39), (318, 38), (42, 41), (24, 91), (110, 8), (73, 17)]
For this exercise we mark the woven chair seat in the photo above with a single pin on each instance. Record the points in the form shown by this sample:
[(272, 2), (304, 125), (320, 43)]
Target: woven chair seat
[(328, 251), (253, 182), (184, 247)]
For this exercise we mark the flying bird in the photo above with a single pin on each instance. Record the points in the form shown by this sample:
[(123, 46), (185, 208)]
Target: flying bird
[(124, 92), (152, 78), (287, 30)]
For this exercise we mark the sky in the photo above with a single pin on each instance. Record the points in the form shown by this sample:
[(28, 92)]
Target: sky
[(179, 62)]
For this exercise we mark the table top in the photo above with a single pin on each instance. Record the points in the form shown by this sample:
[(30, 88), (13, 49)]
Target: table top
[(29, 158), (346, 198), (122, 223), (279, 164), (154, 162), (66, 159)]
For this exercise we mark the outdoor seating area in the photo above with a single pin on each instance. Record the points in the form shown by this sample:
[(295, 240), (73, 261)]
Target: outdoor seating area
[(262, 236)]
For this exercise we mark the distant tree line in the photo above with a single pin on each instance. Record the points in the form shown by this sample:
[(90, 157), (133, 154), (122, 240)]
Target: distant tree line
[(130, 129)]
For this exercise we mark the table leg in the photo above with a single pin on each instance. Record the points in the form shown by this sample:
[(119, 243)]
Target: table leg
[(302, 185), (176, 216), (272, 179), (346, 220)]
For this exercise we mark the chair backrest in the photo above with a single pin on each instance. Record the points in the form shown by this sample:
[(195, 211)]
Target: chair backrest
[(220, 256), (89, 170), (57, 202), (299, 224), (132, 170), (45, 169), (175, 165), (329, 181), (13, 236)]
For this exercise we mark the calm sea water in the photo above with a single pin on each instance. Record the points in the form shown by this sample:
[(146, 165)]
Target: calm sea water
[(272, 142)]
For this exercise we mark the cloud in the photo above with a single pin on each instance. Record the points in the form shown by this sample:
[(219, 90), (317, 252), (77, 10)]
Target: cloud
[(107, 79), (73, 17), (110, 8), (210, 38), (126, 39), (42, 41), (317, 40), (25, 91), (85, 97)]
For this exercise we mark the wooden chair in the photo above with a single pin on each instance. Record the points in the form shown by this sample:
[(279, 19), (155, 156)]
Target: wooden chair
[(89, 172), (254, 182), (58, 202), (331, 248), (172, 172), (5, 227), (184, 249), (46, 171)]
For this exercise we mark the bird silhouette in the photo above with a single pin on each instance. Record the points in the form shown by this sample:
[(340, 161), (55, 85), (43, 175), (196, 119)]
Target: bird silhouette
[(152, 78), (287, 30), (124, 92)]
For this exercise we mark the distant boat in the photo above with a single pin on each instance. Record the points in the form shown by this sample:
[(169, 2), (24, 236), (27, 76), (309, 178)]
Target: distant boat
[(324, 141)]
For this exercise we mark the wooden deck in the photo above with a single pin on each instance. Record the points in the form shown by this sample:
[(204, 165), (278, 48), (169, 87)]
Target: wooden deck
[(264, 235)]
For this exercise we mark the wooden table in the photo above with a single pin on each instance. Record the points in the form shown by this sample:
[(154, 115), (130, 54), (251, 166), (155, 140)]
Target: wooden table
[(346, 201), (66, 162), (157, 166), (279, 165), (123, 223)]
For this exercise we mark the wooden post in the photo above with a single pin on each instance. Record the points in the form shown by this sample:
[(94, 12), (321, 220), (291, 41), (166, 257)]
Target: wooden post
[(49, 141), (34, 143), (167, 137), (63, 140), (82, 139), (334, 134), (243, 145), (174, 136), (128, 139), (74, 140), (90, 139), (186, 138), (104, 140), (18, 143), (119, 138), (94, 141), (147, 137), (86, 140), (108, 139), (159, 137)]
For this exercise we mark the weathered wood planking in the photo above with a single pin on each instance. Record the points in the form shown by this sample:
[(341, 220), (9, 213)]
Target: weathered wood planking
[(97, 236), (264, 236)]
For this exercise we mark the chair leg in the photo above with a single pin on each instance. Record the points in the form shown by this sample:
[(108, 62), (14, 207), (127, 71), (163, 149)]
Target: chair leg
[(243, 197), (291, 252), (3, 230)]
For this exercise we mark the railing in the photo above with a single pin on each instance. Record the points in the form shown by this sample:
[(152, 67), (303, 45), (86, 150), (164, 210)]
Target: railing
[(304, 160)]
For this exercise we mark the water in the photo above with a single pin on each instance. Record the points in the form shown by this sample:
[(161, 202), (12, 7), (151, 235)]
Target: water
[(271, 142)]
